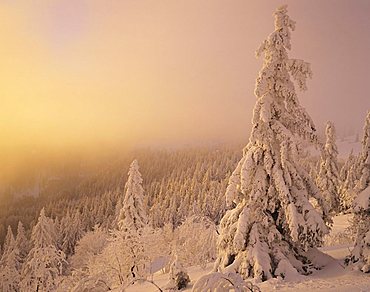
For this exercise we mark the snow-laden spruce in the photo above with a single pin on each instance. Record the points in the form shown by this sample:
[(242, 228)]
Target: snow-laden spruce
[(272, 223), (348, 175), (133, 214), (125, 257), (364, 159), (10, 264), (361, 205), (44, 263), (328, 176)]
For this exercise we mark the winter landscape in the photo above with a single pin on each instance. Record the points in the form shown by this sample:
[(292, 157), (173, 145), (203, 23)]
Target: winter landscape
[(162, 196)]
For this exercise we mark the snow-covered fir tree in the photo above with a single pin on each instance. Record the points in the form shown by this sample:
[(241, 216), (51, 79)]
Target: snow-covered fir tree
[(361, 206), (347, 188), (133, 212), (347, 166), (364, 158), (22, 241), (124, 258), (328, 177), (70, 232), (8, 243), (272, 224), (10, 265), (44, 263)]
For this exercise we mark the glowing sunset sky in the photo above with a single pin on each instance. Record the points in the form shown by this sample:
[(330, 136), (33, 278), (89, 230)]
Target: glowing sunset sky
[(84, 72)]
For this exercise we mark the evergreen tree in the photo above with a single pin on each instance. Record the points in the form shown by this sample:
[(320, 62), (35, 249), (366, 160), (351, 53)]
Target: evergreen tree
[(347, 166), (361, 222), (328, 177), (347, 189), (133, 213), (8, 244), (10, 269), (364, 159), (272, 225), (10, 264), (44, 263), (22, 241), (125, 258), (71, 232)]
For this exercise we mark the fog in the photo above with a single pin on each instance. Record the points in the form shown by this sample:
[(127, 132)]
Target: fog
[(87, 77)]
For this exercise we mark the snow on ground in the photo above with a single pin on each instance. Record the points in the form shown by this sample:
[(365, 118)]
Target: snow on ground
[(334, 277)]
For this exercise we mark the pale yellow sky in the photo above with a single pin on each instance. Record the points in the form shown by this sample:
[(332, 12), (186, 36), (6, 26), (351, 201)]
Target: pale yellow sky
[(85, 72)]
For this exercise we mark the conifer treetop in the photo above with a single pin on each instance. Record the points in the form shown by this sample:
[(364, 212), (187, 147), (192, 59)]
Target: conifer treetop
[(42, 233)]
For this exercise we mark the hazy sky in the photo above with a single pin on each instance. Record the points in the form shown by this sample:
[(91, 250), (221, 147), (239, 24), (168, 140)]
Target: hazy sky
[(85, 72)]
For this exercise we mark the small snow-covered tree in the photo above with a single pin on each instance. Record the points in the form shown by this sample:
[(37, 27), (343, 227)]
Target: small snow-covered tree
[(271, 224), (44, 263), (347, 166), (22, 241), (10, 270), (364, 159), (195, 241), (70, 231), (90, 245), (133, 213), (361, 206), (83, 262), (123, 260), (328, 176), (8, 243), (347, 188), (10, 265)]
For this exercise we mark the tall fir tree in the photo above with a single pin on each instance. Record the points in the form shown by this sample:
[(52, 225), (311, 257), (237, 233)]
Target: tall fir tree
[(272, 225), (126, 244), (364, 159), (133, 213), (328, 177), (361, 207)]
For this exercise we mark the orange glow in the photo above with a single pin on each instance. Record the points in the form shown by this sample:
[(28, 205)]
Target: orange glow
[(87, 73)]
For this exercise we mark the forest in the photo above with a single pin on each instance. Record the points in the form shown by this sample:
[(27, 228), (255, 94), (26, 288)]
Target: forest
[(245, 216)]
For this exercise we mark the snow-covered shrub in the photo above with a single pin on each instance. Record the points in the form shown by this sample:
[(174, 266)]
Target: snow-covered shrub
[(178, 276), (89, 246), (219, 282), (195, 241)]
